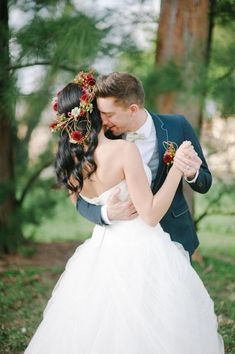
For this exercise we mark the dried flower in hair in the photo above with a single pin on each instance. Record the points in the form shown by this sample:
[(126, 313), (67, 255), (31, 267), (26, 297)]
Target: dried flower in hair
[(55, 104), (54, 126), (76, 136), (67, 122)]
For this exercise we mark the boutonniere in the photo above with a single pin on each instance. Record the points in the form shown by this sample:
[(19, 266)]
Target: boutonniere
[(168, 157)]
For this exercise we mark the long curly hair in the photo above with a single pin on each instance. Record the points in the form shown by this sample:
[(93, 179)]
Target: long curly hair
[(76, 160)]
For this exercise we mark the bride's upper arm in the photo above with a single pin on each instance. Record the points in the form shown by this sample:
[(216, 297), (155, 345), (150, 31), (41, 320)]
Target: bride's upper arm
[(137, 181)]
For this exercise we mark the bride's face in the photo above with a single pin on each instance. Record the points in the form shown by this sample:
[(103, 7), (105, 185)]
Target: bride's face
[(115, 117)]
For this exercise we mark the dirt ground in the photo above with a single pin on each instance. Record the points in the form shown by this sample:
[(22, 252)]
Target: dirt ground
[(53, 254), (56, 254)]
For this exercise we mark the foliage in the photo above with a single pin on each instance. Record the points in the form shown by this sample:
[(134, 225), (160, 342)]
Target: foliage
[(219, 201), (221, 76), (55, 36), (62, 223), (218, 85)]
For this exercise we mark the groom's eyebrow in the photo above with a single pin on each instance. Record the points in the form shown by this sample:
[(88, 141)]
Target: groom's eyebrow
[(106, 112)]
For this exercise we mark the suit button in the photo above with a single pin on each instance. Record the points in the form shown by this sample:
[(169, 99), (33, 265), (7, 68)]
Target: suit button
[(200, 184)]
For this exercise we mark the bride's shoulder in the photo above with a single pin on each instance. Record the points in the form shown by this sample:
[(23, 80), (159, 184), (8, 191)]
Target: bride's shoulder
[(125, 148), (124, 144)]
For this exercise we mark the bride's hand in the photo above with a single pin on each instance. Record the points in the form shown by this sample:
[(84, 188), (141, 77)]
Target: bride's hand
[(181, 162), (187, 160)]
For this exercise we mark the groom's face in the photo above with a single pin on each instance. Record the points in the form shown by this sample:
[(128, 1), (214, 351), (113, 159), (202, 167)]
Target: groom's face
[(115, 117)]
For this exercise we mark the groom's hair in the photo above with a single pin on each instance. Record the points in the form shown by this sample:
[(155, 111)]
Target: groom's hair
[(125, 88)]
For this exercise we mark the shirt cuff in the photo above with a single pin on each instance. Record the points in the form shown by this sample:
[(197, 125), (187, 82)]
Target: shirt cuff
[(192, 180), (104, 215)]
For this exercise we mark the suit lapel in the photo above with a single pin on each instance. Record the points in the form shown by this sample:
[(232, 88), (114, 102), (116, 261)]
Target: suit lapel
[(162, 135)]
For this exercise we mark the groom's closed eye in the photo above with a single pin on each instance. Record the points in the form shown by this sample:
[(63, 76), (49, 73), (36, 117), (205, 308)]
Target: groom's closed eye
[(108, 115)]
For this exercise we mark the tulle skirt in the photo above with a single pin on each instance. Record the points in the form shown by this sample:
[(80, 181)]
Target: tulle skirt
[(128, 290)]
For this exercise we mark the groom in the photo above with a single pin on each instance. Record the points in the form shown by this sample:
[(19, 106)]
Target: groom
[(120, 99)]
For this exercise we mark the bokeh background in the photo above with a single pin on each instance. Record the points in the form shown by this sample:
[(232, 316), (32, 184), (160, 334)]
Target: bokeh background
[(183, 51)]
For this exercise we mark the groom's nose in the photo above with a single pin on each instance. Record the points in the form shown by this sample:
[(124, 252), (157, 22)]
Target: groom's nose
[(105, 120)]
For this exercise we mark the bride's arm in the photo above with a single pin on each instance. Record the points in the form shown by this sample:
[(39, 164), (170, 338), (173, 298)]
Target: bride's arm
[(150, 208)]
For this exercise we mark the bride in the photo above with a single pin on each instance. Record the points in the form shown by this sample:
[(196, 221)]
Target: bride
[(128, 289)]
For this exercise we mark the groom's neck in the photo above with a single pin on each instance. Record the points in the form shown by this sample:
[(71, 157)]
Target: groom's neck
[(138, 120)]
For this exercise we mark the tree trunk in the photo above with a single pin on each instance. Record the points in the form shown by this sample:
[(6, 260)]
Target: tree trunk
[(183, 37), (9, 227)]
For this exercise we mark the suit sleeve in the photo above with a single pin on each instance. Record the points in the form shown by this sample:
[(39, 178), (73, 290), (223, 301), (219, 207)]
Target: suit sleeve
[(204, 180), (89, 211)]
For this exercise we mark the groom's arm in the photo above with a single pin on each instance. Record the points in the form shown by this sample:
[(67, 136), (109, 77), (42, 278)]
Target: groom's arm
[(90, 211), (114, 209), (204, 180)]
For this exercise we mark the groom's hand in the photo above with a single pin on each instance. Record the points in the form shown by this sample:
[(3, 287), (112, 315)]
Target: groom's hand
[(120, 210), (187, 160)]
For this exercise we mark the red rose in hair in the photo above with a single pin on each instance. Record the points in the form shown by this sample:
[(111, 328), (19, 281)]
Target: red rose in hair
[(76, 135), (90, 80), (84, 96), (53, 125)]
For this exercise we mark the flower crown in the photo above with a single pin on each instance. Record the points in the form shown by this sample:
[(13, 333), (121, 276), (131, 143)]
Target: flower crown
[(70, 121)]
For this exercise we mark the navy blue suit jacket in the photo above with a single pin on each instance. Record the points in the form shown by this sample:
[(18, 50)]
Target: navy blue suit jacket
[(177, 221)]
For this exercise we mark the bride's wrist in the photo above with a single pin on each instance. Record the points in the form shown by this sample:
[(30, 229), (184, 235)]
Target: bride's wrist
[(177, 171)]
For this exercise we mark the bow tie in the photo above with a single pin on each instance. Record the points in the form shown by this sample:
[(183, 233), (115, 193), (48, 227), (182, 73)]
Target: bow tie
[(134, 136)]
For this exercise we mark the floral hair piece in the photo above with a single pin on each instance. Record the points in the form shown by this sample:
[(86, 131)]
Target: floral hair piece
[(69, 121)]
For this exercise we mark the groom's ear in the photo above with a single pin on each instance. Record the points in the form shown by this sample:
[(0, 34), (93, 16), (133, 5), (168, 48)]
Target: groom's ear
[(134, 108)]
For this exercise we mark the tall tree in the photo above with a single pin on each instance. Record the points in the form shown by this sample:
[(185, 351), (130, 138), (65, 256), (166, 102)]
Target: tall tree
[(183, 40), (9, 235)]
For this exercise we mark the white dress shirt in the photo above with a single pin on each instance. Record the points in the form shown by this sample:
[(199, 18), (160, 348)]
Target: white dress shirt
[(146, 147)]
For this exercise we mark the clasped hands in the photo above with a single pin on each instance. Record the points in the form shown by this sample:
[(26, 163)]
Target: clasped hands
[(186, 160)]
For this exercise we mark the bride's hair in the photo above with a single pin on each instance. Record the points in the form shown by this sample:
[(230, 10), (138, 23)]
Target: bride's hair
[(72, 159)]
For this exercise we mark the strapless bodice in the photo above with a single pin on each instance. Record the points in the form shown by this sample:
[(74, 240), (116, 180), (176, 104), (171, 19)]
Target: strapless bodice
[(122, 186)]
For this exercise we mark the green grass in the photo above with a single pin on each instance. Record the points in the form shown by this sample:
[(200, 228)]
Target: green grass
[(25, 291), (218, 276)]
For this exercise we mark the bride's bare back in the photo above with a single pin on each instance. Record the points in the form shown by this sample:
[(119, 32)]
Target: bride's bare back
[(109, 159)]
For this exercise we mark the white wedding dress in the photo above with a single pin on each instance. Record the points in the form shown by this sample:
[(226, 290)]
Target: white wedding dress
[(128, 290)]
